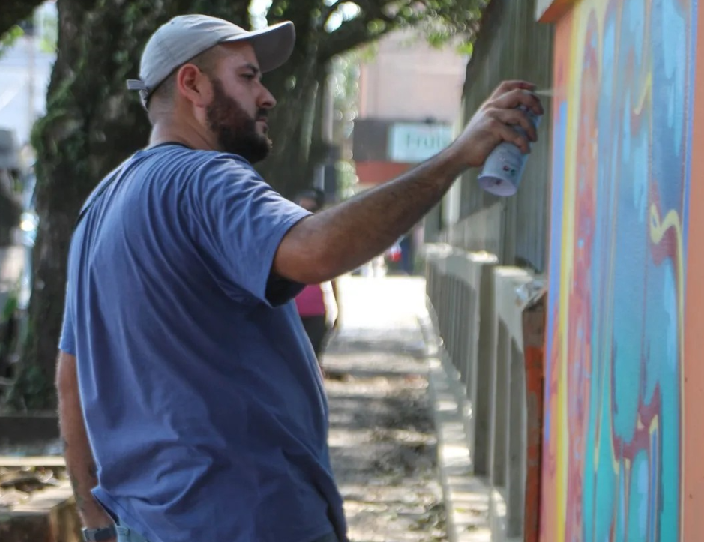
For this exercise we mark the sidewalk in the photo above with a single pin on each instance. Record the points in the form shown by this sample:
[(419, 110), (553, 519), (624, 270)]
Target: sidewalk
[(389, 404)]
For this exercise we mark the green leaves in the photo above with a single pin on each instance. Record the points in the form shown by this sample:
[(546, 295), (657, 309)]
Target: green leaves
[(7, 39)]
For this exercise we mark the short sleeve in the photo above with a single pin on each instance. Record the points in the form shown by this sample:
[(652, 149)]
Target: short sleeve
[(67, 342), (238, 221)]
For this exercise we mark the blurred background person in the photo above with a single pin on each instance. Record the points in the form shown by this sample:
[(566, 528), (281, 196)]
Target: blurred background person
[(318, 304)]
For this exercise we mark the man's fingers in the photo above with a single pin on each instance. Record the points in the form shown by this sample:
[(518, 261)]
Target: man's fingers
[(516, 97), (506, 133), (508, 86), (516, 117)]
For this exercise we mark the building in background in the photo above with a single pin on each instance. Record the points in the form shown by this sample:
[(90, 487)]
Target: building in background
[(409, 97)]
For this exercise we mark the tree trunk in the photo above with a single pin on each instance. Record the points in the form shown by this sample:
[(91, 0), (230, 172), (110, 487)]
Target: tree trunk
[(9, 216), (294, 86)]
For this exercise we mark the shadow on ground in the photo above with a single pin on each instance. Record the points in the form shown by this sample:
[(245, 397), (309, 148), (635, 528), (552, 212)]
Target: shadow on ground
[(382, 437)]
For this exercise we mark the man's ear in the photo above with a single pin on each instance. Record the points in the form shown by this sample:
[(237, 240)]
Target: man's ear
[(194, 85)]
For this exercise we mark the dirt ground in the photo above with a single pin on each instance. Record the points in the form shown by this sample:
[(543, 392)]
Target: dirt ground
[(382, 437)]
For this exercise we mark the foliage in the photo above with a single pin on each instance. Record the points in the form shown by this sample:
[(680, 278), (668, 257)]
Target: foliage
[(8, 38)]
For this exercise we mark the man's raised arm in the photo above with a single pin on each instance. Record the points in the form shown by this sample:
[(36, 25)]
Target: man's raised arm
[(343, 237)]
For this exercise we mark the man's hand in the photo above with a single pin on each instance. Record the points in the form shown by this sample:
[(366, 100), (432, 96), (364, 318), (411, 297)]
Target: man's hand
[(493, 121)]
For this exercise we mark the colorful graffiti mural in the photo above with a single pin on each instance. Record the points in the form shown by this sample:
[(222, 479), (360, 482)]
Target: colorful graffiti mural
[(614, 424)]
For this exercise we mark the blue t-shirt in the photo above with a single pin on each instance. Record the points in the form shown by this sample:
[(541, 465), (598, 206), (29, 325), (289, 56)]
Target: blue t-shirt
[(202, 396)]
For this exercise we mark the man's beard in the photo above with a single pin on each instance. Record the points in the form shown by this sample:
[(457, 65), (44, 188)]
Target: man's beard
[(235, 129)]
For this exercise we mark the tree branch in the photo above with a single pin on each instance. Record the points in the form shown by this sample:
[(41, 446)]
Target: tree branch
[(351, 34)]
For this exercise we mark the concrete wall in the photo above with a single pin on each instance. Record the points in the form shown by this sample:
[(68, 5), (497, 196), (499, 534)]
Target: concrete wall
[(623, 438), (478, 313)]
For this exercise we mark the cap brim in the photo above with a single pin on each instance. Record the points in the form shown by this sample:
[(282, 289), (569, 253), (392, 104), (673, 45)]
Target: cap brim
[(272, 45)]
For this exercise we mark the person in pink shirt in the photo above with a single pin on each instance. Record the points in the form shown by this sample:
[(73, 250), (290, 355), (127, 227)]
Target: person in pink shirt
[(318, 304)]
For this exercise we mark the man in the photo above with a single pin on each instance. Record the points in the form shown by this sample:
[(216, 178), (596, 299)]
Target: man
[(190, 398)]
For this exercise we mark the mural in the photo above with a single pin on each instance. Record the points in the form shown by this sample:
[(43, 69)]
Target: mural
[(613, 451)]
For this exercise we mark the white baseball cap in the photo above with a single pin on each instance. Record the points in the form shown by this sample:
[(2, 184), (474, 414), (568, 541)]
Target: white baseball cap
[(186, 36)]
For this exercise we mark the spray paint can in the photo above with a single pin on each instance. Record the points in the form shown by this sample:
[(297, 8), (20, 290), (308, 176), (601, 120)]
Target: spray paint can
[(504, 167)]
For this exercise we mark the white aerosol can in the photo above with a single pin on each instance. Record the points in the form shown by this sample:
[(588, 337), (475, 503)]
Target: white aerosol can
[(503, 168)]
